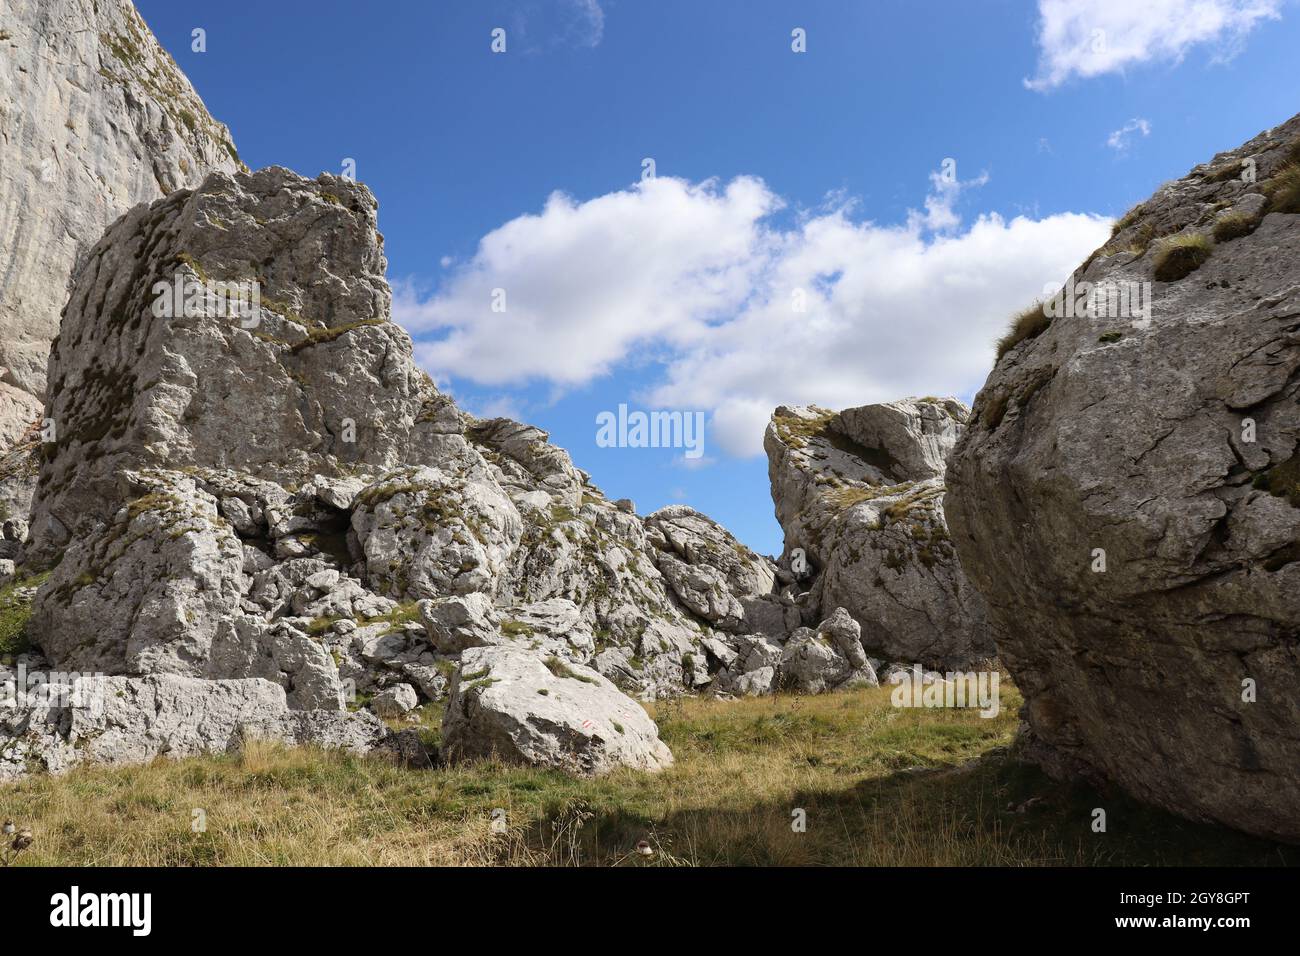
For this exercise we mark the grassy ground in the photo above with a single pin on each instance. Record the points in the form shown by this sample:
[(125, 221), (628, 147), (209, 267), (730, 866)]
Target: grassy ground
[(880, 786)]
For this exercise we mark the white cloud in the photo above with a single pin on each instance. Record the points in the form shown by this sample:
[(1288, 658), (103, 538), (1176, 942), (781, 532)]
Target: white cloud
[(1088, 38), (697, 285), (541, 26), (1118, 140), (590, 22)]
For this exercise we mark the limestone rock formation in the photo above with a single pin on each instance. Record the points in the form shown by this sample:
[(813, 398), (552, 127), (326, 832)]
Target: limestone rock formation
[(131, 720), (861, 493), (278, 492), (95, 117), (523, 708), (809, 661), (1126, 499)]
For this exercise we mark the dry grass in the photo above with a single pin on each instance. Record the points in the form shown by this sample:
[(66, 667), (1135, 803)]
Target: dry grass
[(880, 786), (1283, 189), (1180, 256), (1028, 324), (1233, 225)]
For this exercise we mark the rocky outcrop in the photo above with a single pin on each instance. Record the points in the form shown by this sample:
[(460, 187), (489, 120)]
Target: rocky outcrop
[(278, 492), (860, 493), (132, 720), (809, 661), (95, 117), (1126, 499), (510, 703)]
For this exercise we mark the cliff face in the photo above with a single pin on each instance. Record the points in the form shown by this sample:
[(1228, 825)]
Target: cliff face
[(1127, 498), (95, 117)]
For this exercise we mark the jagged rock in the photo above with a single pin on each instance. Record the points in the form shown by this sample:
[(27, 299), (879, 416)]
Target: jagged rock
[(1167, 441), (129, 720), (292, 499), (461, 621), (96, 117), (150, 591), (431, 531), (277, 402), (861, 493), (521, 708), (810, 661), (712, 573)]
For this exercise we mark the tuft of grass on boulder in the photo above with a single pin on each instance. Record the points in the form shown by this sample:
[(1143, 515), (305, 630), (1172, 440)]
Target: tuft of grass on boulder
[(1028, 324), (1283, 190), (1233, 225), (1181, 256)]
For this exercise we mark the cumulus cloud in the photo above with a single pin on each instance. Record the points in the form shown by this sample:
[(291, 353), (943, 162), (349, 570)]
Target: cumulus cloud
[(722, 308), (1119, 139), (1088, 38)]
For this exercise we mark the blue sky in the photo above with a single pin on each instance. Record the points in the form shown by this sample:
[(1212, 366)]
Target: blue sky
[(779, 176)]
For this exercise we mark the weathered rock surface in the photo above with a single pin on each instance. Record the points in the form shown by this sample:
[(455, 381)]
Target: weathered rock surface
[(810, 661), (131, 720), (1169, 442), (512, 704), (861, 492), (283, 495), (95, 117)]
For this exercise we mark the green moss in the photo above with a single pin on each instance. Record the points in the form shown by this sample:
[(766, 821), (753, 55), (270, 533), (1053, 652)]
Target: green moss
[(1282, 481), (1107, 338), (321, 624), (1180, 256), (561, 669), (15, 612), (320, 336), (513, 628)]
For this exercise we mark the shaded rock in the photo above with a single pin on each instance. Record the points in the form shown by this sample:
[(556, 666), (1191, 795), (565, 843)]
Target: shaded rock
[(709, 571), (1166, 444), (395, 701)]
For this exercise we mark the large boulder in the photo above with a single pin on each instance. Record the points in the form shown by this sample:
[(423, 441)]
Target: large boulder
[(860, 495), (318, 382), (95, 118), (1126, 500), (519, 707)]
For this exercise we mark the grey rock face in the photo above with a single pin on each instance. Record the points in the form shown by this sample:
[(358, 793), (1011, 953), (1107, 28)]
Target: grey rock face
[(95, 117), (292, 499), (279, 400), (522, 708), (1168, 442), (710, 572), (861, 493), (810, 661), (129, 720)]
